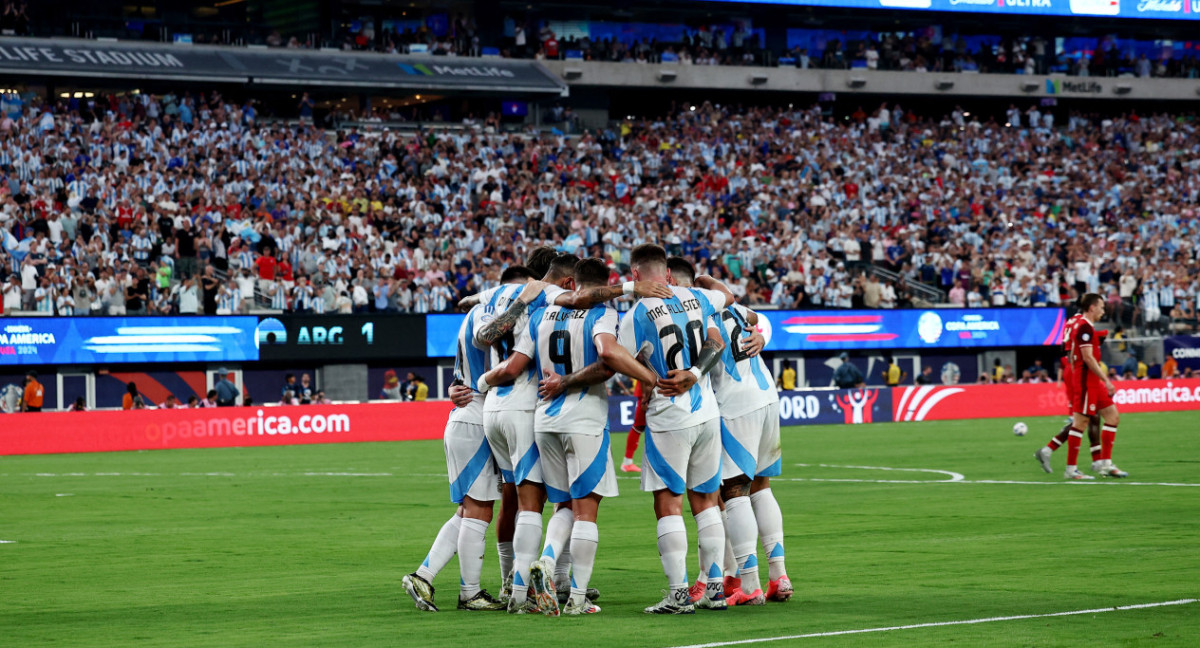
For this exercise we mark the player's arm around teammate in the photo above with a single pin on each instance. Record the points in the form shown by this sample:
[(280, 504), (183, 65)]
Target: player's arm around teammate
[(683, 447)]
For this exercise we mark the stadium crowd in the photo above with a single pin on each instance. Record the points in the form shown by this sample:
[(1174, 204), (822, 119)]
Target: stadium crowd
[(185, 203)]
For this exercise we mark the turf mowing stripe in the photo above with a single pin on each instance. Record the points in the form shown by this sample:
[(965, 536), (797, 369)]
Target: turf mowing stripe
[(938, 624)]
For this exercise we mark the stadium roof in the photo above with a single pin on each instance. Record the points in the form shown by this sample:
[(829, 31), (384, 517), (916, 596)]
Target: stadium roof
[(261, 66)]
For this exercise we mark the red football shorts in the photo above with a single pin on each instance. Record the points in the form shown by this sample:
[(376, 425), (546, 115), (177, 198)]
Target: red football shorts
[(1069, 388), (1091, 396), (639, 416)]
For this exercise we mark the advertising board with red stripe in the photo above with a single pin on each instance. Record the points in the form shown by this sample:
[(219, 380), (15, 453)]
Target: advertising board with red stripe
[(220, 427), (946, 402)]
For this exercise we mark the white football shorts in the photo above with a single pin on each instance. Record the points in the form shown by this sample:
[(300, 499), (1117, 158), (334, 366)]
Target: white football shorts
[(510, 433), (576, 465), (685, 459), (472, 470), (750, 444)]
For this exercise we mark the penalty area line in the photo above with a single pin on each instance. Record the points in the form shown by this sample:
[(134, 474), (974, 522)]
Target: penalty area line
[(939, 624)]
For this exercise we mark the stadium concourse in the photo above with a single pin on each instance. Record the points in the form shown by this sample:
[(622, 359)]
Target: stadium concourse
[(118, 205)]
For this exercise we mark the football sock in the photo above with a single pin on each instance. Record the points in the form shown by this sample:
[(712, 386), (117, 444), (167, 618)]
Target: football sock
[(505, 551), (1108, 436), (562, 568), (731, 563), (742, 530), (770, 531), (631, 444), (1073, 443), (672, 549), (445, 545), (710, 534), (525, 544), (585, 538), (558, 533), (470, 556), (1057, 440), (1096, 452)]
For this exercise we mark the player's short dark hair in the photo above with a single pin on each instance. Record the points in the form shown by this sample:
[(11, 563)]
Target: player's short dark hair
[(562, 267), (539, 260), (681, 266), (648, 254), (591, 271), (515, 273), (1089, 300)]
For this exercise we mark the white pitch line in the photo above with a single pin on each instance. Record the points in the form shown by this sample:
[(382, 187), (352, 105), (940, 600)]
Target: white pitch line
[(346, 474), (8, 542), (1090, 482), (954, 477), (939, 624)]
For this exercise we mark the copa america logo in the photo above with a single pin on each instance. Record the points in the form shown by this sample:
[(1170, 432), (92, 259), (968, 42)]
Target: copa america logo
[(929, 327)]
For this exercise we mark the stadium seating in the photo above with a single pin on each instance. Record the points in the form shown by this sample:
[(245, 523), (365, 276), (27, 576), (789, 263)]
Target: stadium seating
[(113, 198)]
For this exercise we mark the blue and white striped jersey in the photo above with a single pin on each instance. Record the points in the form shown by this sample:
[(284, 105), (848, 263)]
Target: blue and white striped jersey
[(674, 330), (470, 362), (521, 394), (564, 341), (742, 384)]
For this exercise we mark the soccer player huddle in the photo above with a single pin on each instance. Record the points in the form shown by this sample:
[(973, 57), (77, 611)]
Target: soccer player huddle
[(531, 425)]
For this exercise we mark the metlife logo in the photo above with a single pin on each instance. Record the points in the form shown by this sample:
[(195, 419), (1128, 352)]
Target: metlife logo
[(483, 71), (1060, 86)]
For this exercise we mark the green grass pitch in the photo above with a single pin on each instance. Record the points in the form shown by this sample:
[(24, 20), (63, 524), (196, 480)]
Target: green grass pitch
[(305, 546)]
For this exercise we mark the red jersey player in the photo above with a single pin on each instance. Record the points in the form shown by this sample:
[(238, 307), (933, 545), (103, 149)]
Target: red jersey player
[(635, 433), (1093, 391), (1068, 381)]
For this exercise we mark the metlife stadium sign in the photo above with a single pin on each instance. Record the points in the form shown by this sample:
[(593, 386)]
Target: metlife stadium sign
[(290, 67), (1158, 9)]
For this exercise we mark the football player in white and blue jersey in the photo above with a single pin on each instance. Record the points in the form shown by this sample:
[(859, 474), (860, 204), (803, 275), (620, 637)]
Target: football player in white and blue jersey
[(749, 406), (474, 479), (509, 409), (683, 445)]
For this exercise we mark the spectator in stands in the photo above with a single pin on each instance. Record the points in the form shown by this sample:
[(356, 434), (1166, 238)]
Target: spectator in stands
[(12, 294), (172, 403), (925, 377), (320, 399), (80, 405)]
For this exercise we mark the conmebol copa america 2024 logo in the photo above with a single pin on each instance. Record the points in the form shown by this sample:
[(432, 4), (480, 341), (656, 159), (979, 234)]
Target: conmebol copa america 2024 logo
[(929, 327)]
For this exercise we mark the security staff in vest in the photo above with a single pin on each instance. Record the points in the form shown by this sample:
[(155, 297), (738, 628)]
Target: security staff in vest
[(893, 375), (34, 393)]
